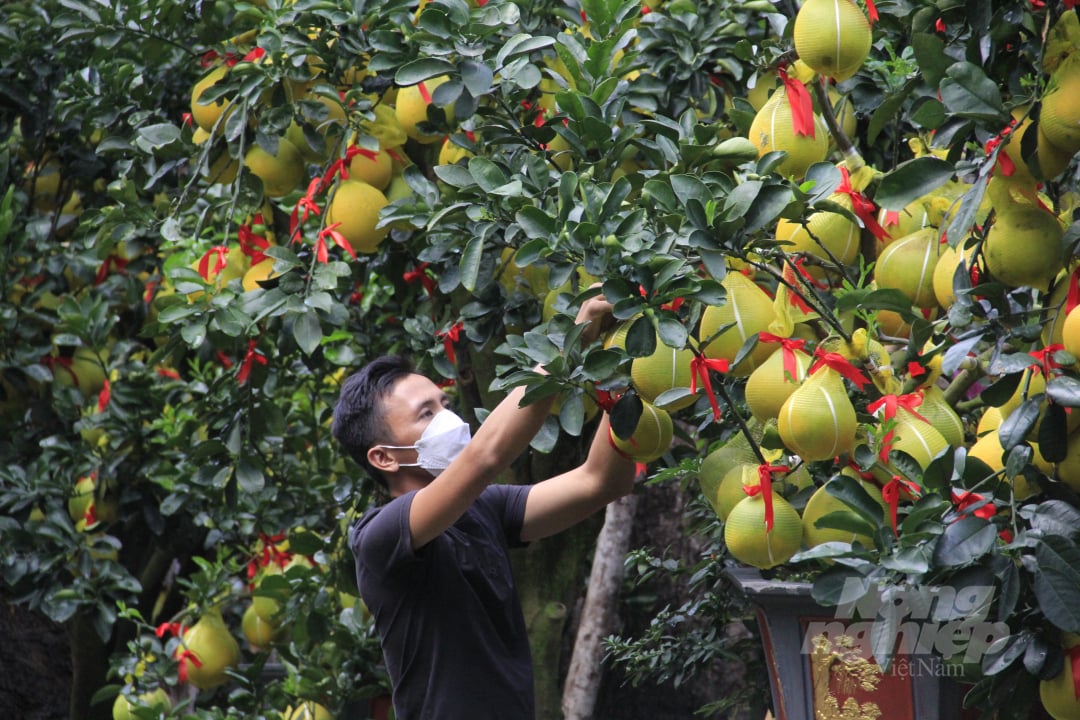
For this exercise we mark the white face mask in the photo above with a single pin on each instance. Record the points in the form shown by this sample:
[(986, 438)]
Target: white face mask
[(442, 440)]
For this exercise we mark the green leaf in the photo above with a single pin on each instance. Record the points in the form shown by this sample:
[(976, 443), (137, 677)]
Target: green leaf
[(641, 338), (477, 77), (572, 414), (470, 263), (600, 365), (834, 585), (1016, 427), (487, 174), (911, 180), (964, 542), (886, 299), (846, 521), (307, 331), (417, 71), (249, 478), (1064, 390), (1057, 582), (930, 53), (672, 332), (625, 415), (767, 206), (854, 495), (968, 92)]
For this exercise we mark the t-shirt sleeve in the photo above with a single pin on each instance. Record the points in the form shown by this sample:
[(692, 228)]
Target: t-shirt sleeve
[(385, 541), (507, 502)]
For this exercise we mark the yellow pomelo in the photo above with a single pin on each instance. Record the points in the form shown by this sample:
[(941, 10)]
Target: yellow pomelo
[(1052, 161), (356, 206), (376, 168), (411, 108), (917, 438), (157, 699), (829, 236), (1055, 305), (309, 710), (945, 270), (749, 541), (451, 152), (1060, 116), (667, 368), (988, 449), (773, 129), (236, 264), (730, 492), (207, 115), (942, 416), (85, 370), (763, 88), (652, 437), (257, 273), (259, 631), (616, 337), (1023, 247), (988, 422), (1033, 381), (1058, 695), (1068, 470), (715, 467), (769, 385), (216, 649), (908, 265), (833, 37), (818, 420), (1070, 332), (280, 173), (916, 215), (747, 311), (822, 503)]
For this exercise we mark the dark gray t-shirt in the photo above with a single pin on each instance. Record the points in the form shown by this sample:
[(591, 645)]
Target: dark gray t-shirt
[(452, 630)]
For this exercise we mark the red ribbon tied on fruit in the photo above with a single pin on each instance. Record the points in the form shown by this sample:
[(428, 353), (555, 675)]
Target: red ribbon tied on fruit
[(802, 108), (964, 499), (699, 368), (890, 493), (251, 357), (305, 207), (218, 251), (788, 346), (764, 487), (861, 206), (840, 364), (889, 404), (331, 231)]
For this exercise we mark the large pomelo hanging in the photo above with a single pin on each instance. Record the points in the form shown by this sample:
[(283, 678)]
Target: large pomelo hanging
[(1059, 120), (774, 129), (936, 409), (750, 541), (829, 236), (908, 265), (818, 420), (822, 503), (666, 369), (833, 37), (748, 311), (1023, 246), (770, 384)]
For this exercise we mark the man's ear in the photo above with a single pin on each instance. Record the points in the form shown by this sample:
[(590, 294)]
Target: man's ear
[(381, 460)]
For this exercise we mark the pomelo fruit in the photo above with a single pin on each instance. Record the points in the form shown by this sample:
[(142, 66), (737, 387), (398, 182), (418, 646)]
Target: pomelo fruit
[(773, 129), (280, 173), (770, 384), (749, 541), (747, 311), (908, 265), (833, 37), (411, 108), (356, 206), (652, 437), (666, 369), (1023, 247), (817, 421), (822, 503), (211, 642)]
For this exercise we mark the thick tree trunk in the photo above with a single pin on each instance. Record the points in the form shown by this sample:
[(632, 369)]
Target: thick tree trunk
[(598, 616)]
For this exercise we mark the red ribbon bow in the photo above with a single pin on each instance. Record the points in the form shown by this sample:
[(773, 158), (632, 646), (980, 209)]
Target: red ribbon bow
[(802, 108), (964, 499), (307, 205), (605, 400), (330, 231), (861, 206), (183, 656), (1045, 359), (218, 251), (788, 346), (890, 493), (699, 368), (251, 357), (104, 396), (256, 54), (341, 165), (764, 487), (175, 628), (251, 244), (840, 364), (891, 403), (449, 337), (112, 261)]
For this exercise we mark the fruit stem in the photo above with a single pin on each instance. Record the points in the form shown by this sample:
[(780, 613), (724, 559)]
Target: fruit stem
[(961, 383), (852, 158)]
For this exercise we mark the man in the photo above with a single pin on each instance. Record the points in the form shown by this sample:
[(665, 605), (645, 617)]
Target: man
[(432, 563)]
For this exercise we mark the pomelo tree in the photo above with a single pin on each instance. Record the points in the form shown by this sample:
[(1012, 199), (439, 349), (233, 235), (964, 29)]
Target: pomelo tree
[(214, 212)]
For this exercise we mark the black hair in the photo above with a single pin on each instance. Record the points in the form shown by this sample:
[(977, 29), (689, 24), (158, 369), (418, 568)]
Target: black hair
[(359, 422)]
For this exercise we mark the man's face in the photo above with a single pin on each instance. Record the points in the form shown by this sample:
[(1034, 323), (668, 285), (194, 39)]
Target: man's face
[(407, 410)]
